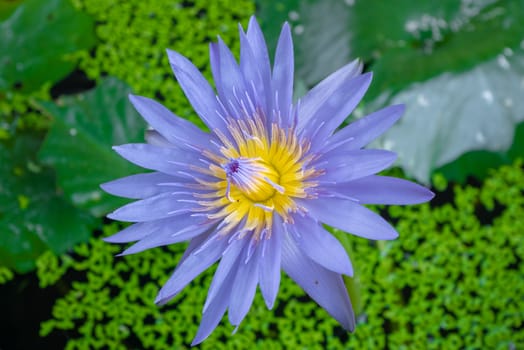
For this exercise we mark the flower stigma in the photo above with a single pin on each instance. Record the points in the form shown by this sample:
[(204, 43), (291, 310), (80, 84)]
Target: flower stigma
[(254, 177)]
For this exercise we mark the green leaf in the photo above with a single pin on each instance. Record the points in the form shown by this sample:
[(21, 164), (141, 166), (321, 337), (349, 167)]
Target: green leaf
[(320, 34), (36, 39), (79, 143), (271, 15), (7, 7), (423, 39), (479, 163), (452, 114), (34, 217), (402, 42), (321, 41)]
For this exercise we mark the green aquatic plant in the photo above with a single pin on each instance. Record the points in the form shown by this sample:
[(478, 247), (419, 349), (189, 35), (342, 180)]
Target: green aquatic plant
[(458, 286), (133, 37), (5, 275), (18, 112)]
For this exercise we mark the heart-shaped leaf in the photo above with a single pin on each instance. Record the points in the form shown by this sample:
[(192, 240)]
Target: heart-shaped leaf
[(79, 143), (34, 217), (35, 39)]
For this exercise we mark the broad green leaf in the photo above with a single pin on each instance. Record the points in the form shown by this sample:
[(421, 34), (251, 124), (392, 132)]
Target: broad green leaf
[(321, 40), (320, 34), (271, 15), (401, 42), (34, 217), (423, 39), (7, 7), (36, 39), (79, 143), (452, 114), (479, 163)]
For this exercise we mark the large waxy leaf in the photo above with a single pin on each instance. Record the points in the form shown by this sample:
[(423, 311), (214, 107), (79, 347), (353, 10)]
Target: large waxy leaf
[(7, 8), (479, 163), (320, 34), (322, 41), (402, 42), (35, 39), (34, 217), (271, 14), (423, 39), (79, 143), (456, 113)]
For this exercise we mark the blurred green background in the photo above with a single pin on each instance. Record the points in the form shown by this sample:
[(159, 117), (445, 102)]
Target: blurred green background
[(453, 280)]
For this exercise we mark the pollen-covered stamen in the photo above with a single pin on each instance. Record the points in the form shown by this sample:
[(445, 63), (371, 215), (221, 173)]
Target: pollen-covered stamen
[(254, 177)]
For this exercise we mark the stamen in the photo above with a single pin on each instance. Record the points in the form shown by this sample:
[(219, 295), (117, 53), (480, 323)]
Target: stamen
[(221, 105), (264, 243), (247, 113), (178, 211), (233, 108), (250, 249), (250, 102), (234, 236), (275, 186), (338, 144), (265, 207), (228, 191), (206, 244)]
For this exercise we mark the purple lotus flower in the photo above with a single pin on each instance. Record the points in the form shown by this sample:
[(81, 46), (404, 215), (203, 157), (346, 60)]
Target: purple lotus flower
[(254, 192)]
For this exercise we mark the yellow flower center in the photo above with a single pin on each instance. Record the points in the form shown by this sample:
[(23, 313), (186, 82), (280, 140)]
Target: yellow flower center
[(259, 173)]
